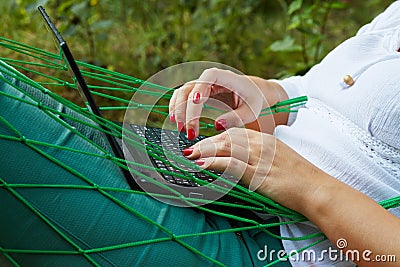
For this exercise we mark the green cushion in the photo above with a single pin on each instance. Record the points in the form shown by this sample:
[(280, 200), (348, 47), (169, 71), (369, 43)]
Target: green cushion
[(69, 220)]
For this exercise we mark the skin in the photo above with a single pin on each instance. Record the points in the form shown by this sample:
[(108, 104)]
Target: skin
[(275, 170), (245, 95)]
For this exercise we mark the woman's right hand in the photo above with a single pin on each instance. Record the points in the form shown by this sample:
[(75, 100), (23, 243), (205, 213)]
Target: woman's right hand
[(243, 94)]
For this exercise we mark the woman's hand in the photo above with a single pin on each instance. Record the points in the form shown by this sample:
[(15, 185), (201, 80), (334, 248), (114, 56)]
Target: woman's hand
[(245, 95), (263, 162)]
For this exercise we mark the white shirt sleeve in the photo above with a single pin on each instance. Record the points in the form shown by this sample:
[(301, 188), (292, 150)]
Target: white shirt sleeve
[(293, 86)]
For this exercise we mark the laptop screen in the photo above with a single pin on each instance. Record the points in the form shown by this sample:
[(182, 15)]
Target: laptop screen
[(72, 66), (85, 92)]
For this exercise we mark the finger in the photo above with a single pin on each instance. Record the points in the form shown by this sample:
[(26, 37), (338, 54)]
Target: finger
[(225, 80), (250, 175), (223, 98), (171, 107), (194, 109), (211, 79), (215, 96), (196, 98), (180, 102), (258, 178), (234, 142), (217, 90), (235, 118), (230, 165)]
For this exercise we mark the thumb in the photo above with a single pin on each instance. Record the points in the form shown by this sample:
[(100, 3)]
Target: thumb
[(235, 118)]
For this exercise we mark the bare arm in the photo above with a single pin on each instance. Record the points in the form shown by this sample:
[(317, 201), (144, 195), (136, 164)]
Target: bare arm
[(338, 210), (343, 212)]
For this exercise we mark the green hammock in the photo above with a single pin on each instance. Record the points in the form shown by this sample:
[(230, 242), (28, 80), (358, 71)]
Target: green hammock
[(65, 202)]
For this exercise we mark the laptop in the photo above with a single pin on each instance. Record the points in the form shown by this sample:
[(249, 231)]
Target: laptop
[(170, 172)]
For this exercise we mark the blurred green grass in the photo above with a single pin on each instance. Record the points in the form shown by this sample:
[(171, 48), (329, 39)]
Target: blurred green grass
[(271, 39)]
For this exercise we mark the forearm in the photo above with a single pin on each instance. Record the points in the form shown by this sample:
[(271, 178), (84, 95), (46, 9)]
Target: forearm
[(273, 93), (343, 212)]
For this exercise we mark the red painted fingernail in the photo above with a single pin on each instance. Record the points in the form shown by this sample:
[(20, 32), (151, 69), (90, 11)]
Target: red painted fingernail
[(172, 117), (200, 162), (220, 125), (181, 126), (191, 134), (187, 151), (196, 98)]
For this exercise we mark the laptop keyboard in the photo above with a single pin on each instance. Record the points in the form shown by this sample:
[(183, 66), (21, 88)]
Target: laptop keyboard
[(174, 142)]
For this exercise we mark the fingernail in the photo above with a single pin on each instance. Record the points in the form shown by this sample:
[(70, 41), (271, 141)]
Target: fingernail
[(220, 125), (191, 134), (200, 162), (187, 151), (181, 126), (172, 117), (196, 98)]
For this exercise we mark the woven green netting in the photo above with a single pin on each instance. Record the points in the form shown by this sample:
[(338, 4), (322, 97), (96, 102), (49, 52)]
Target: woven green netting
[(47, 73)]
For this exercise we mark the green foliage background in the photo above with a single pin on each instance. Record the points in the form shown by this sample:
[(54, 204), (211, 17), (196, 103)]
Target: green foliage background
[(271, 39)]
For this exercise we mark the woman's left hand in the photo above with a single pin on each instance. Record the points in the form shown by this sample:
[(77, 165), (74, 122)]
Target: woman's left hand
[(262, 161)]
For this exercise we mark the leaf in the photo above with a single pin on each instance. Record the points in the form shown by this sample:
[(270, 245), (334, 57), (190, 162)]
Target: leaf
[(294, 6), (70, 31), (285, 45), (80, 10), (65, 5), (294, 23), (306, 30), (339, 5)]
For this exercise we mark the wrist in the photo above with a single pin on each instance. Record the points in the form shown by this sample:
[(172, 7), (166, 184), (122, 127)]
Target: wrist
[(277, 93), (318, 199), (311, 189), (272, 91)]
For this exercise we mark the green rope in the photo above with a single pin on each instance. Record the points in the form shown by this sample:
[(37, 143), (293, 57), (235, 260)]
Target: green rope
[(118, 88)]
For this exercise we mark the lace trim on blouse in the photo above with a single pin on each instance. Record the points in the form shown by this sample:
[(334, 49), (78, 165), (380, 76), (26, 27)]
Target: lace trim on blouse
[(382, 154)]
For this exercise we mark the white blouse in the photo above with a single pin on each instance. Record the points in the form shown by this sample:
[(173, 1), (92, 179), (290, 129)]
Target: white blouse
[(350, 132)]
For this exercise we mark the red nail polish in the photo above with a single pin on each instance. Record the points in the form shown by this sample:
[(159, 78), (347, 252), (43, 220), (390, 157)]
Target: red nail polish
[(220, 125), (196, 98), (181, 126), (172, 117), (187, 151), (200, 162), (191, 134)]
